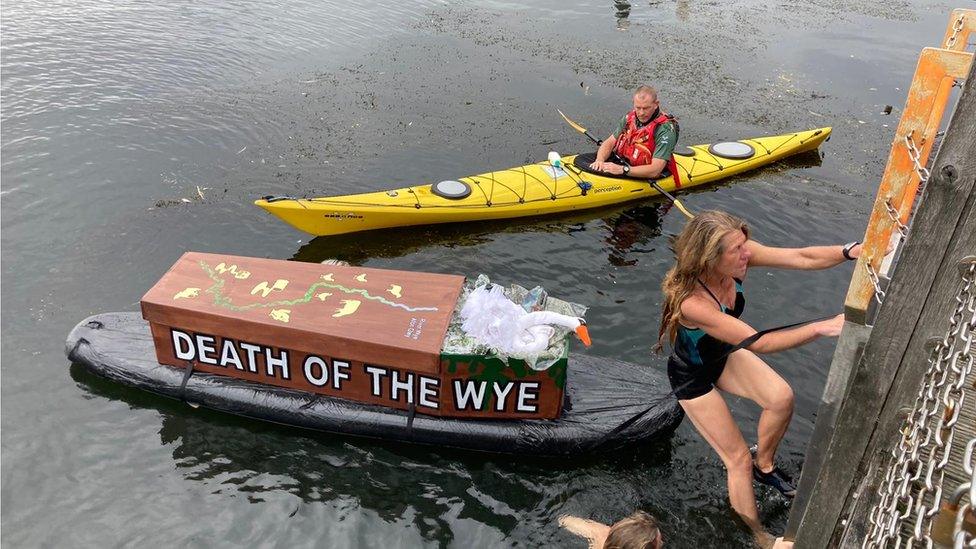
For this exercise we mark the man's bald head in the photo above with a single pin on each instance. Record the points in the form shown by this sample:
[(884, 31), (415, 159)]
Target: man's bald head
[(645, 103), (646, 91)]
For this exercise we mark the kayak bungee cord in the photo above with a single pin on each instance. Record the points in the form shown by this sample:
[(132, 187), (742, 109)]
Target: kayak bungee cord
[(696, 160), (415, 198)]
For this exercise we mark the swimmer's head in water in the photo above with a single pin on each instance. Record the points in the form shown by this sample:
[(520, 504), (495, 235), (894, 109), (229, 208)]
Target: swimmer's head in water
[(638, 531)]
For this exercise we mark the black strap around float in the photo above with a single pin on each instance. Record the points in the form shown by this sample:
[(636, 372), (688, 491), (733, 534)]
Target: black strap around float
[(186, 377), (411, 413)]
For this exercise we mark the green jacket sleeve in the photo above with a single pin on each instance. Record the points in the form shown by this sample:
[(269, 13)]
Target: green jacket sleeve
[(665, 138)]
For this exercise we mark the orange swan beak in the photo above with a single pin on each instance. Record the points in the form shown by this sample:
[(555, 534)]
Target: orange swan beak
[(584, 335)]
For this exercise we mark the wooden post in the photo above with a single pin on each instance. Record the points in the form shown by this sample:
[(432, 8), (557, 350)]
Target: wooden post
[(894, 358), (962, 22), (900, 180), (850, 347)]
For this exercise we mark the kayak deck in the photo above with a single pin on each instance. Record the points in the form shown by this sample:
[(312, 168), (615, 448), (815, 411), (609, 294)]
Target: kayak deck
[(602, 394), (530, 190)]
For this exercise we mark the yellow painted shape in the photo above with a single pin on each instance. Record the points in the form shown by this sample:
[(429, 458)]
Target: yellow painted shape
[(323, 295), (328, 277), (396, 290), (187, 293), (240, 274), (349, 306), (361, 278), (264, 289), (281, 315)]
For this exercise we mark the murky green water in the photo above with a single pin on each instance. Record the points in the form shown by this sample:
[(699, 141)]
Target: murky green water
[(113, 113)]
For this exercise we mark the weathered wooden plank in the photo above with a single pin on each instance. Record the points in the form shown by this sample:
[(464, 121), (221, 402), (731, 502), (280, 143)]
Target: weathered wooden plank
[(953, 474), (934, 320), (933, 235), (848, 352)]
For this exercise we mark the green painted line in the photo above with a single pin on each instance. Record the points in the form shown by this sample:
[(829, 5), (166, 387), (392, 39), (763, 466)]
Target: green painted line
[(223, 301)]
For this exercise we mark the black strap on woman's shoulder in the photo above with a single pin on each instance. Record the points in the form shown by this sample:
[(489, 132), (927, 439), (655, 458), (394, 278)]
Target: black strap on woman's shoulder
[(710, 293)]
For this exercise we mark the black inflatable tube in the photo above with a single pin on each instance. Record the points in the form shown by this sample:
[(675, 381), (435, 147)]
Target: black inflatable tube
[(602, 394)]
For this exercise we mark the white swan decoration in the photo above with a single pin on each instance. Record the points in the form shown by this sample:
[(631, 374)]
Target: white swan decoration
[(493, 319)]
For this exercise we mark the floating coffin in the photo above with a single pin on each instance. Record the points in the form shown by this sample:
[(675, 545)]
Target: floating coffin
[(362, 334)]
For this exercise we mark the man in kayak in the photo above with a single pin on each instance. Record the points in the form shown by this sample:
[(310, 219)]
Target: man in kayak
[(643, 143)]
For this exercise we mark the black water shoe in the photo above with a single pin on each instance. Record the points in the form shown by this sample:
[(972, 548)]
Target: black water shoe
[(777, 479)]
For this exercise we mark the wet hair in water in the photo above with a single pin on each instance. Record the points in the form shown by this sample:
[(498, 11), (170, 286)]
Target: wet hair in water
[(638, 531)]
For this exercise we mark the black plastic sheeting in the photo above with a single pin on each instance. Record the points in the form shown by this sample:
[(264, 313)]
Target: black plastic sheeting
[(603, 395)]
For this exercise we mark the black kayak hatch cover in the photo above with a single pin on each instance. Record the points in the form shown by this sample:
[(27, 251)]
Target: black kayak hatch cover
[(454, 190), (735, 150)]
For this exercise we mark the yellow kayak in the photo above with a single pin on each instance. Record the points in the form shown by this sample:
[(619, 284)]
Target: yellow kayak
[(534, 189)]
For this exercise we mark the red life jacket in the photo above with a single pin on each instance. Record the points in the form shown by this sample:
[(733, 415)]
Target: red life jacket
[(636, 145)]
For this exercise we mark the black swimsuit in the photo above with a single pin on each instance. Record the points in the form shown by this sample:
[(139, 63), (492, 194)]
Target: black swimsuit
[(698, 359)]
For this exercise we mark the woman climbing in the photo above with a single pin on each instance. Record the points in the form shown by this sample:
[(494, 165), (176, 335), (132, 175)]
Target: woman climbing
[(703, 298)]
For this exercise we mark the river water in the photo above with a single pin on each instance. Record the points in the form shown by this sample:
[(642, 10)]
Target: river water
[(134, 131)]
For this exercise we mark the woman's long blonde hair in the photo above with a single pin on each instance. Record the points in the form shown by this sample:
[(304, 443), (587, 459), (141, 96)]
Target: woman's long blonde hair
[(697, 249)]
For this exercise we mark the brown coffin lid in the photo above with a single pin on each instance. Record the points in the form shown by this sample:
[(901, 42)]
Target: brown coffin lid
[(362, 318)]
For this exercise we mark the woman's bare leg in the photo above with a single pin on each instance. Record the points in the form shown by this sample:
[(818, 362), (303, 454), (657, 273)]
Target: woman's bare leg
[(711, 417), (748, 376)]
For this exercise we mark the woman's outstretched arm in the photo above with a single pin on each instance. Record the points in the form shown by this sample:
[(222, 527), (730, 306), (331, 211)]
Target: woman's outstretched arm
[(809, 258), (699, 313)]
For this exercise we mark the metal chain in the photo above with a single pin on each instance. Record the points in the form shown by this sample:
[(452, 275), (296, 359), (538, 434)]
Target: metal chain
[(960, 364), (879, 294), (905, 472), (916, 156), (962, 538), (893, 214), (927, 435), (956, 27)]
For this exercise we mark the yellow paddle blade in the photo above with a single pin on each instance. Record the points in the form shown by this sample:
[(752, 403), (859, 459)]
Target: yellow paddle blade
[(681, 207), (575, 126)]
